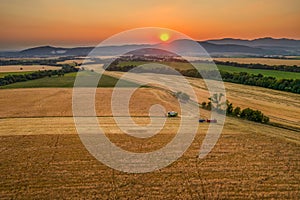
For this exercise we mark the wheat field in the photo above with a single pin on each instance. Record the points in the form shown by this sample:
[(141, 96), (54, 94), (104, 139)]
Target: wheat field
[(42, 155), (267, 61), (24, 68), (44, 158)]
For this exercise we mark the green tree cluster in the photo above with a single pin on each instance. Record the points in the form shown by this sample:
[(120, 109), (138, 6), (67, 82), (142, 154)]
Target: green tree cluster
[(216, 103)]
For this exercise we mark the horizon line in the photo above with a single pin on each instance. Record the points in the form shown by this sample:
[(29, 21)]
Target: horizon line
[(86, 45)]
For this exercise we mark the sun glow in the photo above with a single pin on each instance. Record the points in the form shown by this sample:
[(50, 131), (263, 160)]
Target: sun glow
[(164, 37)]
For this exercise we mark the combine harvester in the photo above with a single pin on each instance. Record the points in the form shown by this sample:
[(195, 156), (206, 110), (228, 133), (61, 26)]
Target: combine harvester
[(207, 120), (172, 114)]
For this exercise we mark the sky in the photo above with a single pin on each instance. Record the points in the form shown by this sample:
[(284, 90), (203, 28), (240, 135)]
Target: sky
[(28, 23)]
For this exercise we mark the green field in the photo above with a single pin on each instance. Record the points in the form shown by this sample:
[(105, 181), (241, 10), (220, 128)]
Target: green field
[(184, 66), (274, 73), (68, 81), (176, 65), (107, 81), (2, 74)]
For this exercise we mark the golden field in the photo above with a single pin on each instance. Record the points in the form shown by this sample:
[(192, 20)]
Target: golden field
[(267, 61), (44, 158), (42, 155), (78, 61), (281, 107), (57, 102), (17, 68)]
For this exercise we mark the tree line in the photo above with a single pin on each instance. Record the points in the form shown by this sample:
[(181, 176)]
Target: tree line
[(9, 79), (286, 68), (288, 85)]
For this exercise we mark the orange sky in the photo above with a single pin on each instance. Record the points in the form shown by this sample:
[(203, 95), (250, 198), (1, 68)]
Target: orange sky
[(26, 23)]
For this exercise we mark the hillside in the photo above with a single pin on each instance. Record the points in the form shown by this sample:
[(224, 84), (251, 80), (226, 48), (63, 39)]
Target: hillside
[(287, 46), (267, 41), (258, 47)]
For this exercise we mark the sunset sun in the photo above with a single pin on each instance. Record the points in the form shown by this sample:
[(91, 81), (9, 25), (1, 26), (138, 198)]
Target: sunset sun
[(164, 37)]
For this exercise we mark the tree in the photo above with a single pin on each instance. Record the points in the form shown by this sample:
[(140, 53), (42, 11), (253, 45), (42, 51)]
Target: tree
[(208, 107), (229, 109), (237, 111), (217, 102), (265, 119)]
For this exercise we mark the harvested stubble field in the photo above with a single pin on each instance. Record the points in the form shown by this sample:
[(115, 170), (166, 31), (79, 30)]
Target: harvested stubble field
[(43, 157), (78, 61), (267, 61), (57, 102), (281, 107), (17, 68)]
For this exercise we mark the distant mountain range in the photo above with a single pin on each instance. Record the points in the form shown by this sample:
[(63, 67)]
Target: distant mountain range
[(226, 46), (282, 46), (261, 42)]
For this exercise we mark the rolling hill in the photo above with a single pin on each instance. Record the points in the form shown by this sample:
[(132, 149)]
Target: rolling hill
[(228, 46)]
